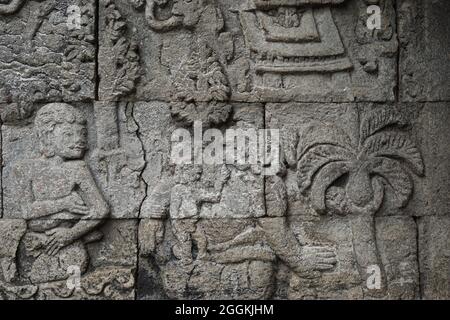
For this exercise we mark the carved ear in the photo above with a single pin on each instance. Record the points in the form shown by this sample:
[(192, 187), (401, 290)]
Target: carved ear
[(46, 143)]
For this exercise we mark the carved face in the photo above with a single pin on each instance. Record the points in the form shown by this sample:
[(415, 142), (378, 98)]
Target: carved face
[(190, 10), (69, 140)]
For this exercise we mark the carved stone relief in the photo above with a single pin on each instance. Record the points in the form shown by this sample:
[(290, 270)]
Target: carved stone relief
[(44, 57), (268, 51), (362, 189), (94, 119), (54, 212)]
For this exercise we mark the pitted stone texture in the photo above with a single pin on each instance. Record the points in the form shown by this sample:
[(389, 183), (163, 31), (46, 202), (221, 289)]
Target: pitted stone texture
[(99, 265), (431, 129), (104, 174), (396, 242), (207, 191), (331, 147), (204, 259), (424, 35), (1, 171), (212, 264), (344, 176), (47, 51), (247, 51), (434, 255)]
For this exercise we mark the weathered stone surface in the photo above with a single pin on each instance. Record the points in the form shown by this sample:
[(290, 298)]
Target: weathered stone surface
[(204, 258), (424, 35), (396, 242), (40, 259), (217, 191), (431, 129), (89, 153), (348, 157), (434, 254), (246, 50), (46, 52), (224, 149), (340, 178)]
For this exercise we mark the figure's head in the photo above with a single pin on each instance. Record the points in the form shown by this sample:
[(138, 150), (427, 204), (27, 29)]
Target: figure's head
[(61, 130), (189, 10)]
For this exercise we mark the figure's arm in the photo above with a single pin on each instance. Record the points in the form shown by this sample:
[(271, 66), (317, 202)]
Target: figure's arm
[(249, 236), (33, 209), (40, 209), (205, 195), (92, 197), (281, 239), (305, 260)]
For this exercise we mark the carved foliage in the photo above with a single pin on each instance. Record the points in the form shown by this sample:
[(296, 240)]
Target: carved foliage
[(120, 56), (326, 154), (201, 89)]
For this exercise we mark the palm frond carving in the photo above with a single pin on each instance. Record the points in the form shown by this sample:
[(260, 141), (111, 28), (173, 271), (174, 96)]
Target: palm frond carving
[(384, 156), (346, 176)]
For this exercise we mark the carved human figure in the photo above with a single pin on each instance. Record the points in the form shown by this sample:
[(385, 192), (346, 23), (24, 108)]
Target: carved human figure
[(186, 199), (59, 197), (255, 242)]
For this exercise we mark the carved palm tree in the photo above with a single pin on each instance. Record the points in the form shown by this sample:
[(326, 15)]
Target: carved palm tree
[(348, 176)]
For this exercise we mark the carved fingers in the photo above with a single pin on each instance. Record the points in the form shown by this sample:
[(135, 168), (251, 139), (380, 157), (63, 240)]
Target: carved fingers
[(74, 204), (322, 258), (58, 239)]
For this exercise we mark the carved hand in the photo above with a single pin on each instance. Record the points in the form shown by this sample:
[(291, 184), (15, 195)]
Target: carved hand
[(58, 239), (74, 204), (314, 259)]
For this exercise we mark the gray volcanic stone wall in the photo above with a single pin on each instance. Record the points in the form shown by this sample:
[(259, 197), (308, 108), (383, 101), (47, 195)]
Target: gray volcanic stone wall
[(94, 207)]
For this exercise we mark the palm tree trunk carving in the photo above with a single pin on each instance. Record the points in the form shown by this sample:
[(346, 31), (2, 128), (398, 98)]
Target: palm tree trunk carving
[(352, 179)]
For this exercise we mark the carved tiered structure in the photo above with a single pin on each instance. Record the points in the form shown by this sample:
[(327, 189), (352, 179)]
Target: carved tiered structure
[(294, 36)]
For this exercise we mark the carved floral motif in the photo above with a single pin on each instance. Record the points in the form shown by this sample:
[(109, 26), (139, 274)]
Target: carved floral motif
[(201, 90), (121, 56)]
